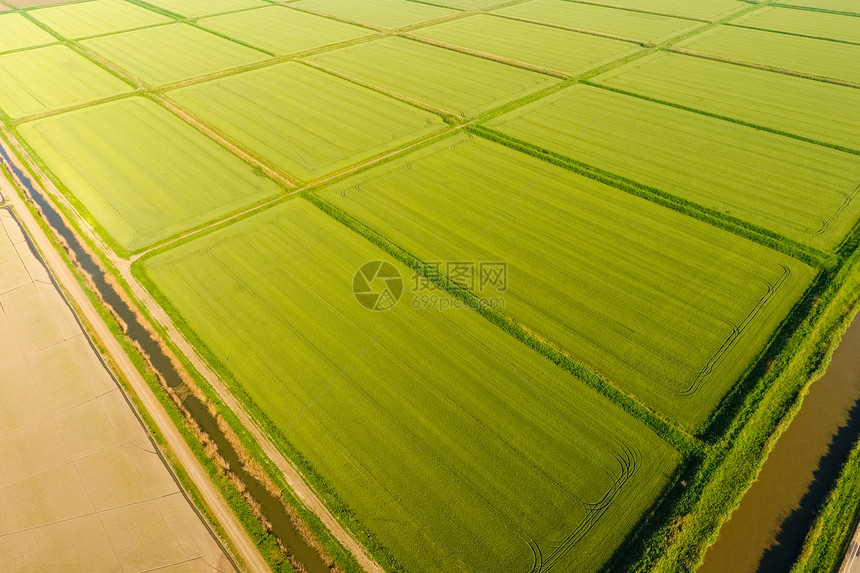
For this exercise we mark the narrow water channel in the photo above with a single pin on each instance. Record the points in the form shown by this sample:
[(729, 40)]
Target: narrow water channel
[(766, 533), (271, 508)]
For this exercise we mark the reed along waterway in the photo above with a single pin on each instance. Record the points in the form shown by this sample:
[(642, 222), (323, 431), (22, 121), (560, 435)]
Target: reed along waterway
[(766, 533)]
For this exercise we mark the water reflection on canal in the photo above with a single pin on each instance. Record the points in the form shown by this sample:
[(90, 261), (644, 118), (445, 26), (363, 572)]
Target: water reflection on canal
[(767, 531)]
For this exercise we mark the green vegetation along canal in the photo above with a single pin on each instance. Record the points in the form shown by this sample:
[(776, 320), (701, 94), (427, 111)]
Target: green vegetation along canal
[(767, 531)]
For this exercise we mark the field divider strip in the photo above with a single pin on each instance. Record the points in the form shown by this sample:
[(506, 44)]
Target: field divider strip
[(721, 117), (794, 34), (27, 119), (778, 4), (383, 91), (573, 29), (273, 172), (102, 63), (601, 69), (640, 11), (750, 231), (209, 227), (684, 442), (764, 67), (487, 56)]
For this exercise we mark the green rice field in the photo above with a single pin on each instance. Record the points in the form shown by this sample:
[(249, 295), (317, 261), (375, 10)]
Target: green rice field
[(281, 31), (803, 191), (526, 43), (380, 14), (803, 23), (701, 9), (677, 336), (672, 188), (456, 83), (532, 469), (142, 174), (51, 78), (16, 32), (635, 26), (737, 92), (97, 17), (306, 122), (200, 8), (172, 53), (791, 53)]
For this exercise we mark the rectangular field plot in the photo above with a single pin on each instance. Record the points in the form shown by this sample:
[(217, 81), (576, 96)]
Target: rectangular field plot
[(458, 447), (792, 53), (816, 110), (701, 9), (51, 78), (381, 14), (803, 191), (803, 23), (17, 32), (172, 53), (443, 79), (97, 17), (141, 173), (527, 43), (77, 462), (282, 31), (305, 121), (199, 8), (847, 6), (626, 287), (600, 19)]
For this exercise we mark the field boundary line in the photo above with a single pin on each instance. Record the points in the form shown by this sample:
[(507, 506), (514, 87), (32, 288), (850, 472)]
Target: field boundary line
[(379, 89), (706, 113), (668, 431), (641, 11), (93, 58), (279, 176), (572, 29), (765, 67), (778, 4), (215, 225), (765, 237), (795, 34), (487, 56)]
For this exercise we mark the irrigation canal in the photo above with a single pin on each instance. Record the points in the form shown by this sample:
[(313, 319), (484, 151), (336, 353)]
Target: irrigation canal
[(273, 511), (766, 532)]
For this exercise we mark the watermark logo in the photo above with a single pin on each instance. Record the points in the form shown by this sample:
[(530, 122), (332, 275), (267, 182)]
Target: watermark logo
[(377, 285)]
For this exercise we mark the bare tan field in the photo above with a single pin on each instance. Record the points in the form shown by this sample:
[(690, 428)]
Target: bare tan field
[(82, 487)]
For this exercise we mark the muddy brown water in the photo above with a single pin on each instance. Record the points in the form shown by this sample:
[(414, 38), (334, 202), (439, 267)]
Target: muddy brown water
[(282, 525), (766, 533)]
